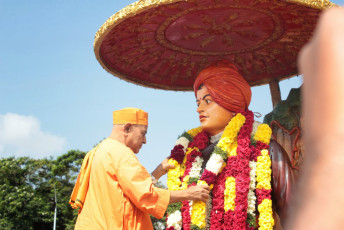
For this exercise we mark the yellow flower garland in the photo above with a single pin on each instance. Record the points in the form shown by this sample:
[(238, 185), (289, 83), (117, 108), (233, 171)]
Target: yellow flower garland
[(198, 213), (195, 131), (231, 132), (266, 220), (174, 182), (230, 191), (233, 150), (264, 170), (263, 134)]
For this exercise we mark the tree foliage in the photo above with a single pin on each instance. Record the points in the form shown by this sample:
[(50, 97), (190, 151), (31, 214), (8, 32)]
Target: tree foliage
[(27, 191)]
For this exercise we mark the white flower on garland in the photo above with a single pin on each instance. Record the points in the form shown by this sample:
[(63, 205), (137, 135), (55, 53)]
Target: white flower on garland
[(251, 197), (196, 168), (190, 204), (215, 163), (255, 127), (183, 141), (175, 220)]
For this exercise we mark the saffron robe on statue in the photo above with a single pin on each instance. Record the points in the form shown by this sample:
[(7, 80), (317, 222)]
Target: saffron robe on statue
[(120, 194)]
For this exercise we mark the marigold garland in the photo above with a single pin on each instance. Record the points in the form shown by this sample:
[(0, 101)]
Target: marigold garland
[(198, 214), (235, 191), (264, 170), (230, 194), (266, 221), (263, 134), (174, 182)]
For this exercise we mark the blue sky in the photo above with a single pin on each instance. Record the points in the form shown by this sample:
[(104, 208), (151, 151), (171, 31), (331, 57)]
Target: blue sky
[(55, 96)]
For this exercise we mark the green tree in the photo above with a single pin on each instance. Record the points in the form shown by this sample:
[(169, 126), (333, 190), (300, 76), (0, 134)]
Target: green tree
[(65, 171), (22, 183), (27, 191)]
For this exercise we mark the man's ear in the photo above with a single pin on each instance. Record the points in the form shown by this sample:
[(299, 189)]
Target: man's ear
[(128, 127)]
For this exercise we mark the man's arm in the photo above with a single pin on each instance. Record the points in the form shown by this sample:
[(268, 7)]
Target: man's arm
[(137, 184)]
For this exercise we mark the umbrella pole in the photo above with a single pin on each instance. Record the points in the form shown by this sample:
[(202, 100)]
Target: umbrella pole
[(275, 92)]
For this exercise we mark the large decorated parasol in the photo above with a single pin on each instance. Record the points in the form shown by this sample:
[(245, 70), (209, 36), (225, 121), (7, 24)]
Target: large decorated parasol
[(164, 44)]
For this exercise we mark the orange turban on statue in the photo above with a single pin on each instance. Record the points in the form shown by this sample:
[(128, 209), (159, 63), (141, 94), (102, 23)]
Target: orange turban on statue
[(226, 86)]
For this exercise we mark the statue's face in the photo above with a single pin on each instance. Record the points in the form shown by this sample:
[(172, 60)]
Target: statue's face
[(212, 116)]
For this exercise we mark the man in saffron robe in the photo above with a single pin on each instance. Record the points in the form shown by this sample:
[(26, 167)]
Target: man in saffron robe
[(113, 190)]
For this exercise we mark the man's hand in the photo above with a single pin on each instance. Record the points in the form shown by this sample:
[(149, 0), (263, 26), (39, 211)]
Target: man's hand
[(162, 169), (197, 193), (166, 166)]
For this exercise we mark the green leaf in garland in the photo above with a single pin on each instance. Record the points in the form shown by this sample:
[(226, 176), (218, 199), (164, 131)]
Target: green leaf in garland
[(218, 150), (251, 220), (253, 141), (192, 180), (195, 227), (187, 136), (171, 208)]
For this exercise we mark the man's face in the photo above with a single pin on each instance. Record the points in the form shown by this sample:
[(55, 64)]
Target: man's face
[(212, 116), (136, 137)]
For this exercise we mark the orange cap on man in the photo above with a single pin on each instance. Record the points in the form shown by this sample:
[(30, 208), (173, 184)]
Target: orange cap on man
[(130, 115)]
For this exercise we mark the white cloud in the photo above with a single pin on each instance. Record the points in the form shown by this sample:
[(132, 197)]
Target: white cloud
[(22, 136)]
